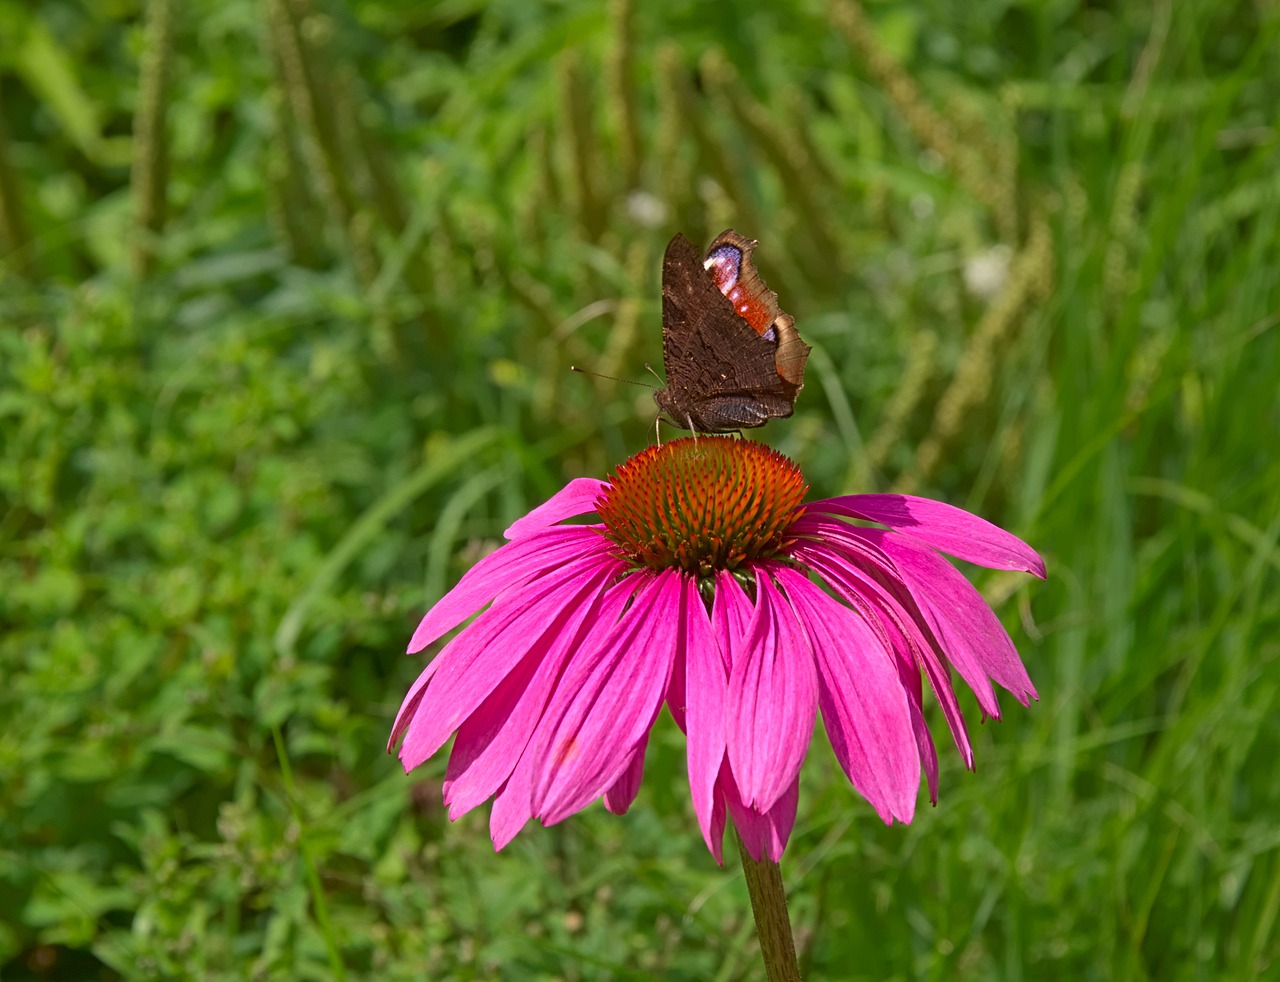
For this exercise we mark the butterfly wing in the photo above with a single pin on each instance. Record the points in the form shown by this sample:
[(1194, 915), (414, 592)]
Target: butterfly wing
[(733, 360)]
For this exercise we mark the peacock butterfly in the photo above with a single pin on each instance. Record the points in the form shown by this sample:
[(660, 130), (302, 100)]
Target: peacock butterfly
[(733, 359)]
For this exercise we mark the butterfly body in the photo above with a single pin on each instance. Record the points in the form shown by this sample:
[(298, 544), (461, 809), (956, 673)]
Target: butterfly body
[(733, 359)]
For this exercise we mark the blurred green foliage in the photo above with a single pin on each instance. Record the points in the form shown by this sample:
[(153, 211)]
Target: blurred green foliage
[(288, 297)]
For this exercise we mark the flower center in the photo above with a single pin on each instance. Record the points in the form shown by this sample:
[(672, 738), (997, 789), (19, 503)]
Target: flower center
[(702, 504)]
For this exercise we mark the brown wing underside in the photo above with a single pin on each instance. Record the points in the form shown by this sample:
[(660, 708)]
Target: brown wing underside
[(706, 346), (721, 374)]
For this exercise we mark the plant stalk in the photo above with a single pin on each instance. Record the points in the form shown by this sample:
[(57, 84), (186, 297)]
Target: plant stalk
[(769, 908)]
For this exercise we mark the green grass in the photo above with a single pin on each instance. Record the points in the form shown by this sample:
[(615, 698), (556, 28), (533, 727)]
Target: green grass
[(263, 403)]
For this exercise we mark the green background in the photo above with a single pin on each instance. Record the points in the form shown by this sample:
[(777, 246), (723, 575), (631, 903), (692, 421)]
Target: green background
[(290, 289)]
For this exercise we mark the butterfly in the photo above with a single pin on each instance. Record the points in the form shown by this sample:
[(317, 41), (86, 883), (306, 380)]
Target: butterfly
[(733, 359)]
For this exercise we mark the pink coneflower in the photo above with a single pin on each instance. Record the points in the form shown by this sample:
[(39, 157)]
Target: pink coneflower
[(709, 586)]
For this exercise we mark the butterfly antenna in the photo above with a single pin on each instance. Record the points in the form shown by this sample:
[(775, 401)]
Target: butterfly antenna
[(611, 378)]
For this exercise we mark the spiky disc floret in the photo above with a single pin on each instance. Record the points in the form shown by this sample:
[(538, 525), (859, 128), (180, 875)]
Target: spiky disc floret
[(702, 504)]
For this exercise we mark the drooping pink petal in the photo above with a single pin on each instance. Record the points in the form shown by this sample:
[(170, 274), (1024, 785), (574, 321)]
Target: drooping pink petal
[(477, 660), (409, 705), (706, 689), (861, 565), (578, 497), (913, 686), (491, 740), (606, 702), (719, 818), (875, 600), (971, 634), (864, 707), (764, 833), (730, 614), (907, 664), (905, 660), (773, 699), (467, 646), (865, 545), (513, 805), (677, 697), (482, 758), (946, 527), (622, 793), (504, 570)]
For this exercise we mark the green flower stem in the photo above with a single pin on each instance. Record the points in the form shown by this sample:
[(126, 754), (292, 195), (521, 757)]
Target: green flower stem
[(769, 908)]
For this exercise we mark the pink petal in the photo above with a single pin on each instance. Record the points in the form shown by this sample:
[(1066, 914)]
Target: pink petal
[(513, 806), (946, 527), (624, 790), (578, 497), (972, 636), (764, 833), (719, 816), (907, 664), (773, 700), (509, 568), (866, 544), (607, 701), (477, 660), (706, 689), (730, 614), (913, 686), (873, 599), (677, 697), (410, 704), (865, 708), (882, 622), (491, 740)]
